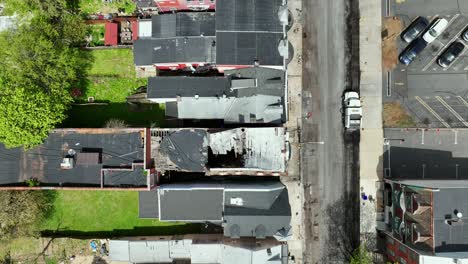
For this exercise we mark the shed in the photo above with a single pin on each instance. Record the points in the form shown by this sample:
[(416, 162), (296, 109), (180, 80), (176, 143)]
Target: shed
[(111, 35)]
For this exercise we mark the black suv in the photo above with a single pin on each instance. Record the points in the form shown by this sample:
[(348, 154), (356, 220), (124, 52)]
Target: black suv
[(413, 49), (414, 29), (450, 54)]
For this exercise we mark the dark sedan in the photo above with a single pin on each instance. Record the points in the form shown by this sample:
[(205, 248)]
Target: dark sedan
[(414, 29), (413, 49), (450, 54)]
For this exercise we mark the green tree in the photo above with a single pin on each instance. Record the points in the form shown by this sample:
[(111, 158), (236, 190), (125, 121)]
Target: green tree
[(361, 256), (23, 212), (39, 63)]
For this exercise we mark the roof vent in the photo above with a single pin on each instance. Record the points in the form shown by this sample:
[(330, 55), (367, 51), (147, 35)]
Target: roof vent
[(237, 201), (67, 164), (451, 220), (197, 96)]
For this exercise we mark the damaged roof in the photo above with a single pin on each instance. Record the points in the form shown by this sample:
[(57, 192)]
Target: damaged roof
[(248, 95), (179, 149), (200, 150), (238, 83), (115, 155)]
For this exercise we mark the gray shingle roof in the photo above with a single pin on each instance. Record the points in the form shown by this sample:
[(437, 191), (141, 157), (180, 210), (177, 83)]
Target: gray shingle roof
[(184, 86), (242, 32), (183, 25), (191, 204), (248, 15), (248, 30), (148, 51), (247, 209), (148, 205)]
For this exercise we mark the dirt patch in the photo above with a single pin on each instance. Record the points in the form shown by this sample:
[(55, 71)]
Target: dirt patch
[(395, 115), (392, 26)]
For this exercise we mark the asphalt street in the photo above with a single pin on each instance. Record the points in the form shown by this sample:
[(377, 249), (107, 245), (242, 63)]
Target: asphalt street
[(329, 161)]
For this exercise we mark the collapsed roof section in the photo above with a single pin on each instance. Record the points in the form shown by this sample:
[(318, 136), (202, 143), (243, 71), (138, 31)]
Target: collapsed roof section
[(74, 158), (248, 95), (251, 151)]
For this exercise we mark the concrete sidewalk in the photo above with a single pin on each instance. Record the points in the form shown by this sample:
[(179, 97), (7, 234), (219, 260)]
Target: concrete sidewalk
[(292, 180), (371, 145)]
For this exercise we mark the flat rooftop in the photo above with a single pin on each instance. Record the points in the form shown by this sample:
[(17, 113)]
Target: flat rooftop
[(248, 30), (220, 152), (429, 154), (100, 158), (238, 33), (450, 237)]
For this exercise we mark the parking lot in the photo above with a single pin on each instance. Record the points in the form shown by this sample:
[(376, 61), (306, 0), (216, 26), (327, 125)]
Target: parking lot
[(426, 153), (434, 96)]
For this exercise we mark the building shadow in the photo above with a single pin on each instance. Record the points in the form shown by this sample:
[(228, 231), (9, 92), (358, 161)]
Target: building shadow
[(413, 163), (96, 115), (137, 231)]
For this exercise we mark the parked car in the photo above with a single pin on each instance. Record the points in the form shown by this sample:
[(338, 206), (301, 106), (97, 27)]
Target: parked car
[(450, 54), (414, 29), (436, 28), (413, 49), (465, 35)]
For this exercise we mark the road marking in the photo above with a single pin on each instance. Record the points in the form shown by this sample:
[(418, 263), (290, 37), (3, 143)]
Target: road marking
[(421, 101), (443, 48), (399, 83), (422, 137), (456, 136), (463, 100), (452, 110)]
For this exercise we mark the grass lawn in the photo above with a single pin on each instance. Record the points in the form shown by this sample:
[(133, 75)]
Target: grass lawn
[(110, 80), (99, 6), (102, 213)]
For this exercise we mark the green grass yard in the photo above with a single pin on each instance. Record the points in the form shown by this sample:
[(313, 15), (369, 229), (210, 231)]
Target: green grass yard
[(106, 212), (99, 6), (112, 75), (110, 80)]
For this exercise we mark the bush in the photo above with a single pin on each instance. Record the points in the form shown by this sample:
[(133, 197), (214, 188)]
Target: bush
[(115, 123)]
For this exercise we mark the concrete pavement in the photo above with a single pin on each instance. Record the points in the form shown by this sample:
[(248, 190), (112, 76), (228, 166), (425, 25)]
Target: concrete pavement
[(292, 181), (371, 145), (328, 160)]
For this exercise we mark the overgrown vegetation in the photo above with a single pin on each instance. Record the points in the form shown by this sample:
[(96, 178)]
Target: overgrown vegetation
[(394, 115), (23, 212), (99, 6), (38, 66), (361, 256), (96, 35)]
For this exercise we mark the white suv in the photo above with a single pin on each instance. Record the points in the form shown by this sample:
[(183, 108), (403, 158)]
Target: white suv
[(439, 25)]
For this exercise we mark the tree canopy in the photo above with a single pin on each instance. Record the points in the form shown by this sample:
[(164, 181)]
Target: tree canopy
[(361, 256), (39, 64)]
